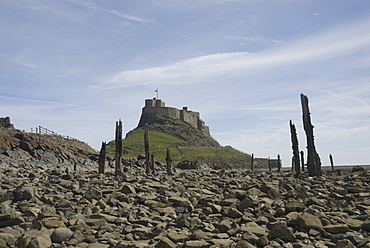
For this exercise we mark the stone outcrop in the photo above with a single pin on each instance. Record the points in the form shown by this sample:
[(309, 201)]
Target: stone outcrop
[(19, 148)]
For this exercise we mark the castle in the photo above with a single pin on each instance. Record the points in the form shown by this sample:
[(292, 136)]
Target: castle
[(156, 107)]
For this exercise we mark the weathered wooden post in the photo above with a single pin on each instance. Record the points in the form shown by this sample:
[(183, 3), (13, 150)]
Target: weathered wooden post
[(313, 164), (318, 165), (118, 142), (102, 158), (152, 164), (331, 162), (252, 165), (302, 160), (292, 165), (146, 146), (169, 162), (269, 163), (279, 163), (294, 139)]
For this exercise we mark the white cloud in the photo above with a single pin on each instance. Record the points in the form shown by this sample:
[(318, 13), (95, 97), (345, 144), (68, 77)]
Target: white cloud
[(257, 39), (26, 100), (335, 43), (93, 6)]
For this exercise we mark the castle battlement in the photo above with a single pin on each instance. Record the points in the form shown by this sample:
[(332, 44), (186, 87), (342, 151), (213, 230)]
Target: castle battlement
[(156, 107)]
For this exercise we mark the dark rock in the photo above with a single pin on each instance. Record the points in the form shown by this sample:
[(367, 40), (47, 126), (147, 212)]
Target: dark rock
[(192, 165), (244, 244), (344, 243), (339, 228), (165, 243), (225, 226), (357, 169), (366, 225), (281, 231), (11, 222)]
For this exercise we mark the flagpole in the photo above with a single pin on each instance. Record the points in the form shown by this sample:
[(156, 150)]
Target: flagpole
[(157, 92)]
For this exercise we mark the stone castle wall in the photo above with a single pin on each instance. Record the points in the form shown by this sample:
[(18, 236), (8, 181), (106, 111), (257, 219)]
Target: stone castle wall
[(156, 107)]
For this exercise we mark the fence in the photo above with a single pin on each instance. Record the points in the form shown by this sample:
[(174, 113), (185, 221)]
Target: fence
[(44, 130)]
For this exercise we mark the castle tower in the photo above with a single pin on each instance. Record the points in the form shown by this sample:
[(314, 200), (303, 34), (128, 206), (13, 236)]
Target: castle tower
[(155, 108)]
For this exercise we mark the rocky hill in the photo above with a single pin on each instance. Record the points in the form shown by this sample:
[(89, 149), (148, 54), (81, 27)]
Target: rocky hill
[(185, 142), (180, 129), (19, 147)]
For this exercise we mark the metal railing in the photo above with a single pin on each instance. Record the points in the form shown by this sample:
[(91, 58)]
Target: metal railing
[(44, 130)]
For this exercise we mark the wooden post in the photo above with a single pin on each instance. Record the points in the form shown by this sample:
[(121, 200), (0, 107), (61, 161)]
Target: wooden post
[(146, 146), (294, 140), (302, 160), (331, 162), (269, 163), (169, 162), (152, 164), (118, 169), (313, 164), (252, 160), (279, 163), (292, 165), (318, 165), (102, 158)]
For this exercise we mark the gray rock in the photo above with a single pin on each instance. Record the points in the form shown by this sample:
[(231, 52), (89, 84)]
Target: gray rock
[(181, 202), (232, 212), (309, 221), (24, 193), (61, 234), (344, 243), (8, 238), (40, 241), (223, 243), (244, 244), (339, 228), (197, 244), (3, 243), (93, 193)]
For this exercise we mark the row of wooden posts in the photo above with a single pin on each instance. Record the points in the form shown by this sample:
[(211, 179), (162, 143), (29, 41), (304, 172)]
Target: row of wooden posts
[(149, 158), (313, 158)]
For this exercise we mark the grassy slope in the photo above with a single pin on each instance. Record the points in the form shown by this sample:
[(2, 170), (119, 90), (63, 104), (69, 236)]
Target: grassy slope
[(180, 150)]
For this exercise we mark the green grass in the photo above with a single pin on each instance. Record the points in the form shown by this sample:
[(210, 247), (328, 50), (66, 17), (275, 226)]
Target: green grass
[(134, 145)]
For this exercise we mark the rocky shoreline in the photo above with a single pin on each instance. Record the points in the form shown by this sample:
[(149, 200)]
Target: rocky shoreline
[(55, 206)]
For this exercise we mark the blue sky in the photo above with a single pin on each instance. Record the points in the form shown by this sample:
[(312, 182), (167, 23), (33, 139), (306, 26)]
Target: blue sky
[(77, 66)]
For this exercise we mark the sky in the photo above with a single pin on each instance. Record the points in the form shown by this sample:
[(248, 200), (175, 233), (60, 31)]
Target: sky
[(78, 66)]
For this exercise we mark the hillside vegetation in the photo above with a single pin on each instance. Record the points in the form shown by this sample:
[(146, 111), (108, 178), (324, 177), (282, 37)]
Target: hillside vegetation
[(185, 143)]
